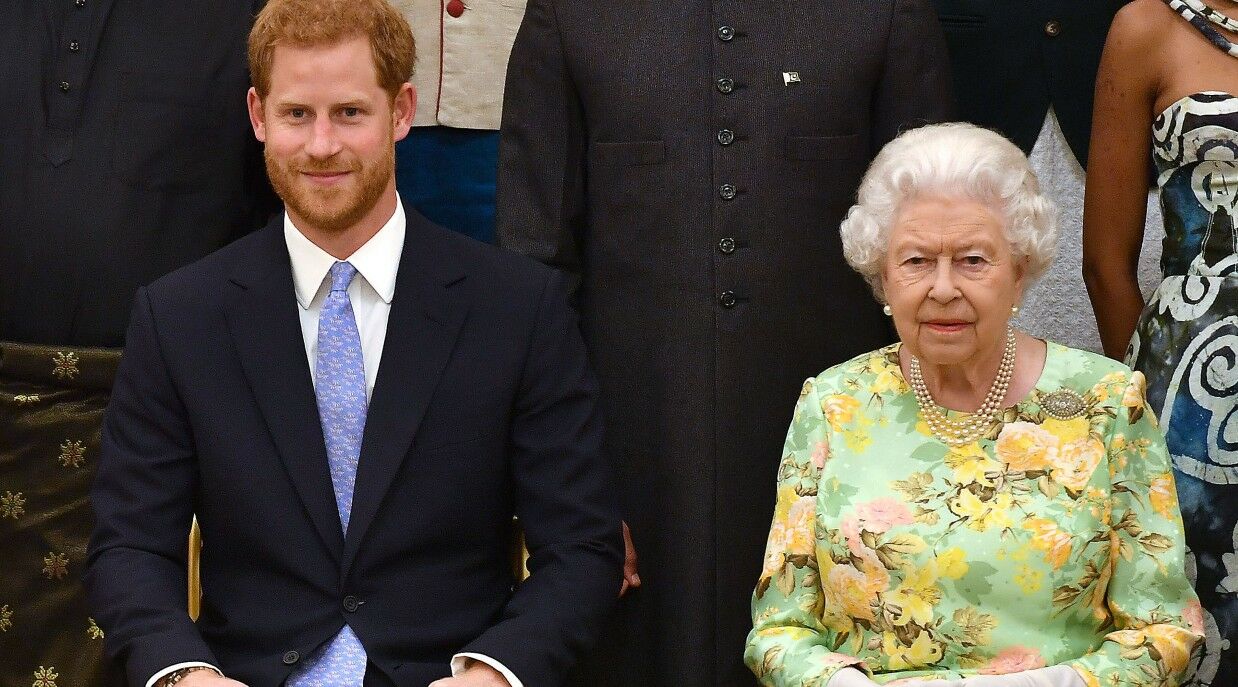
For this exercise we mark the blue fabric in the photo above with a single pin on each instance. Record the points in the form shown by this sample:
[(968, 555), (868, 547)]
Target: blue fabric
[(340, 388), (1186, 343), (449, 175)]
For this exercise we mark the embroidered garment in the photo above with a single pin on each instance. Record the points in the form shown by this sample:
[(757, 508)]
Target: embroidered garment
[(51, 408), (1055, 539)]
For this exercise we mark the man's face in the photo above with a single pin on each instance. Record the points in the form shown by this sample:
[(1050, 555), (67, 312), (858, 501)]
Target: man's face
[(330, 131)]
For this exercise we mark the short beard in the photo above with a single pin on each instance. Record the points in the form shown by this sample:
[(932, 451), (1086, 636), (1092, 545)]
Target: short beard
[(319, 208)]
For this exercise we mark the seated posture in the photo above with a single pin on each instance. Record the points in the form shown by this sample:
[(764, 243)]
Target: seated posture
[(971, 505), (355, 403)]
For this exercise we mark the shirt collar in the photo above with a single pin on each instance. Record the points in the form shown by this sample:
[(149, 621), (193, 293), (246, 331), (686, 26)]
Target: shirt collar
[(377, 261)]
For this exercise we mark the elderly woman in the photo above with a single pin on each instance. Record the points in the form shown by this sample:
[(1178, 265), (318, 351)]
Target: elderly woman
[(970, 506)]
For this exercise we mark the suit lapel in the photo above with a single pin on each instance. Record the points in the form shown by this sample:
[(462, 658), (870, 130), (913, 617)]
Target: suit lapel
[(266, 329), (426, 316)]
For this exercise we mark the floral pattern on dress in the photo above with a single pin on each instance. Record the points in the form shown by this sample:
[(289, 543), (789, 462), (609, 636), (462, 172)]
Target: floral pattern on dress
[(1047, 541)]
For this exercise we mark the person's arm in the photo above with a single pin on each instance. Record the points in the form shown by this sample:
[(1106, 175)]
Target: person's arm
[(789, 644), (1115, 202), (916, 86), (565, 502), (1157, 621), (540, 197), (143, 503)]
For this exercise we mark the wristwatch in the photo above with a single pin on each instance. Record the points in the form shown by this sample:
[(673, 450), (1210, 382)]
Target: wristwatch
[(177, 675)]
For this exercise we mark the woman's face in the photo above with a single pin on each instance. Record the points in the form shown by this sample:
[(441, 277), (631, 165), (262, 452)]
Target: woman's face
[(950, 278)]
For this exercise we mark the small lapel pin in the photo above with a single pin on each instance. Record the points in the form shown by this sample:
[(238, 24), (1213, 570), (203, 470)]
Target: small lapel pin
[(789, 78)]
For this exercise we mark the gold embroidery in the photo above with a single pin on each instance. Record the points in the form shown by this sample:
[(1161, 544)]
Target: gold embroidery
[(45, 677), (65, 365), (22, 399), (12, 505), (55, 566), (94, 630), (72, 454), (6, 618)]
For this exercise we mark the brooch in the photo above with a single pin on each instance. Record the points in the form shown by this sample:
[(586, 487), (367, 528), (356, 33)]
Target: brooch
[(1063, 404)]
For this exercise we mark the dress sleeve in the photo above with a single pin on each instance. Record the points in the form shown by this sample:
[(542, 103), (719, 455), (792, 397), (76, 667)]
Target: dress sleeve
[(1157, 620), (789, 646)]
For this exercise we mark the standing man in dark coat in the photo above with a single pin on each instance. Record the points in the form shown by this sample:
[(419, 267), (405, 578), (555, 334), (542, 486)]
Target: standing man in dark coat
[(125, 152), (690, 162)]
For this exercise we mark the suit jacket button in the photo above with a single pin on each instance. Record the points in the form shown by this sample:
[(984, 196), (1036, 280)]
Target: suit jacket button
[(726, 137), (291, 657), (726, 245), (726, 33), (726, 85), (727, 299), (1053, 28), (351, 603), (727, 191)]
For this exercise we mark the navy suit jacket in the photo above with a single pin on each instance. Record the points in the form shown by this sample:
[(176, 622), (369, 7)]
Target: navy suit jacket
[(484, 408)]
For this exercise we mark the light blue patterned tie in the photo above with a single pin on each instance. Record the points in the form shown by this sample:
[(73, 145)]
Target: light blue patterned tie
[(340, 388)]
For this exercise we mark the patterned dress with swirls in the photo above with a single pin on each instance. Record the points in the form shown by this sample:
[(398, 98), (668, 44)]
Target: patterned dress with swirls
[(1186, 344)]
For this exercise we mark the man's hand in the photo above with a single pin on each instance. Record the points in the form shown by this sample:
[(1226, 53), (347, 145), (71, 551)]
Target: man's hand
[(206, 678), (475, 674), (631, 580)]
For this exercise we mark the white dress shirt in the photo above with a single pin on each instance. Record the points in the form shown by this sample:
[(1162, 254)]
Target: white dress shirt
[(370, 291)]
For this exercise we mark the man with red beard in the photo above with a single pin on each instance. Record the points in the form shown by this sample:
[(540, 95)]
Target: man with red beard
[(355, 516)]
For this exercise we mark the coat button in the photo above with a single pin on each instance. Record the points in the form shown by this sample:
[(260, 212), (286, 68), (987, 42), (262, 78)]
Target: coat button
[(726, 137), (74, 46), (726, 85), (726, 246), (80, 3), (727, 299), (351, 603), (291, 657), (1053, 28), (64, 86), (455, 8), (726, 33), (727, 191)]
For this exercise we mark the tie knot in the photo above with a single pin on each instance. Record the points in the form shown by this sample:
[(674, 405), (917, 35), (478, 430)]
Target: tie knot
[(341, 276)]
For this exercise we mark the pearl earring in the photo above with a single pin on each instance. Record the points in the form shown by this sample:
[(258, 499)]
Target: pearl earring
[(1014, 310), (887, 311)]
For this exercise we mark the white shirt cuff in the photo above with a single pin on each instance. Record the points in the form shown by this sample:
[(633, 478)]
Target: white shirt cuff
[(460, 661), (172, 669)]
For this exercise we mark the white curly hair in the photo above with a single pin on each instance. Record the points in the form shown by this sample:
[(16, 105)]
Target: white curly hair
[(954, 160)]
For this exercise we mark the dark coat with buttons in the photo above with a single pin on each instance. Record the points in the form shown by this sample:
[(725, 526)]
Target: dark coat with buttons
[(484, 407), (689, 162), (125, 153), (1014, 60)]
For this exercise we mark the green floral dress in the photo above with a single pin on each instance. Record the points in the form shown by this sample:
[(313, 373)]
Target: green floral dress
[(1055, 539)]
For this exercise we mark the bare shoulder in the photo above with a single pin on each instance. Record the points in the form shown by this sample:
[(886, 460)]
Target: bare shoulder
[(1142, 25), (1132, 65)]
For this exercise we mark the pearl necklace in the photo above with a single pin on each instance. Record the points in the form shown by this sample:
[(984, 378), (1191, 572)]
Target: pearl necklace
[(956, 432)]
